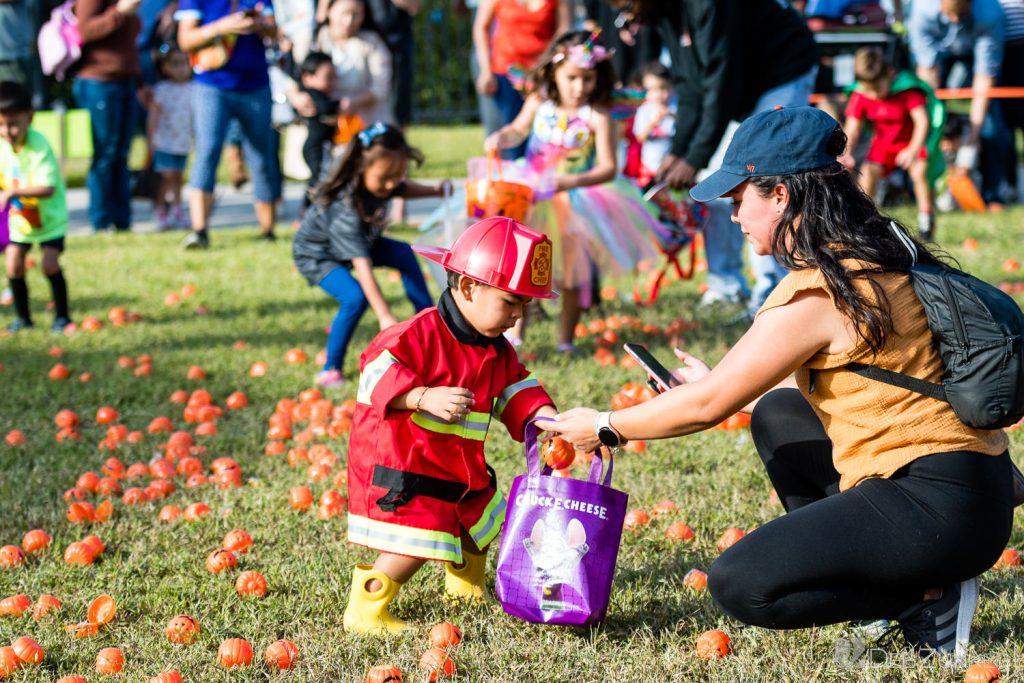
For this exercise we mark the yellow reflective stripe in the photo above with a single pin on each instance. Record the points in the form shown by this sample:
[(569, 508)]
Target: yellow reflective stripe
[(371, 375), (473, 426), (404, 540), (511, 390), (489, 525)]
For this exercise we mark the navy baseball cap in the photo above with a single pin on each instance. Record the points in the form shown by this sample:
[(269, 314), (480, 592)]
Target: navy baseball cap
[(780, 141)]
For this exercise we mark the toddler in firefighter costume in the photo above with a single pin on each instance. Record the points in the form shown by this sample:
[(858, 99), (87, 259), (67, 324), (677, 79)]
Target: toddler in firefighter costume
[(419, 486)]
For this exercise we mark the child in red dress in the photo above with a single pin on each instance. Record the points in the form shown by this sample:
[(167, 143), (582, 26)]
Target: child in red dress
[(897, 109), (419, 486)]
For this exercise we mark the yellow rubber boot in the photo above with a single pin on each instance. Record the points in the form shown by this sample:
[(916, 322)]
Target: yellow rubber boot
[(466, 582), (367, 611)]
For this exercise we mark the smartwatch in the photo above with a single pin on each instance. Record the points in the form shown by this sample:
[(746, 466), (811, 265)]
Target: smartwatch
[(606, 434)]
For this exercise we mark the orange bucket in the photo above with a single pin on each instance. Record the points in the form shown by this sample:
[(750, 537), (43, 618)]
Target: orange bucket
[(965, 193), (486, 197)]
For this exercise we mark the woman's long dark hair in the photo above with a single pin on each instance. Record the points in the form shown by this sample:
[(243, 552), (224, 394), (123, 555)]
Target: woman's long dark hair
[(829, 219), (346, 175)]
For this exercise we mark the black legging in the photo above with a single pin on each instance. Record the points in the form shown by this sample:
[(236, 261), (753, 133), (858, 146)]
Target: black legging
[(868, 552)]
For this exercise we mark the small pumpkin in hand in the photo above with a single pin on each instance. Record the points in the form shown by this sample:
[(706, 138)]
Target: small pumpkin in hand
[(182, 629), (558, 453), (234, 653)]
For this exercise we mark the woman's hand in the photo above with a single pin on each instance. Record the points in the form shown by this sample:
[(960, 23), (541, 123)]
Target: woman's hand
[(693, 369), (450, 404), (238, 23), (577, 426), (486, 83)]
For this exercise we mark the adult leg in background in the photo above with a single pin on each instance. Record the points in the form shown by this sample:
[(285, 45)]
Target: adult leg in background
[(252, 109), (869, 552), (210, 122)]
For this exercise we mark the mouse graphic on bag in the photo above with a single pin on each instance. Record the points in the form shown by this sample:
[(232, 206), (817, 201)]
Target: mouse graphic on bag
[(556, 554)]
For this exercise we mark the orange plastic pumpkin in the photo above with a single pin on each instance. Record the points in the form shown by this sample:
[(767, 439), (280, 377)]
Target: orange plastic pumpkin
[(167, 677), (558, 453), (680, 531), (221, 560), (44, 605), (636, 519), (81, 513), (282, 654), (85, 629), (295, 356), (236, 401), (134, 496), (94, 544), (982, 672), (234, 652), (102, 610), (445, 635), (106, 415), (695, 580), (258, 369), (109, 660), (14, 606), (195, 372), (275, 448), (29, 651), (136, 470), (665, 507), (251, 583), (11, 556), (169, 513), (59, 372), (66, 419), (301, 498), (79, 553), (182, 629), (1008, 558), (109, 486), (384, 674), (103, 511), (196, 511), (35, 541), (437, 663), (729, 537), (713, 644), (72, 679), (9, 662)]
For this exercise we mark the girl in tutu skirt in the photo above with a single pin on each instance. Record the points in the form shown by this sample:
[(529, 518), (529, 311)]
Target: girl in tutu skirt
[(594, 220)]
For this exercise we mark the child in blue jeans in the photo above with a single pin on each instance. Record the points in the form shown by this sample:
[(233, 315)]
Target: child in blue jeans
[(341, 238)]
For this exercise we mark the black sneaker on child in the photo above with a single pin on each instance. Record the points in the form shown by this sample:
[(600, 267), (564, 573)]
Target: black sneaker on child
[(196, 240), (942, 625)]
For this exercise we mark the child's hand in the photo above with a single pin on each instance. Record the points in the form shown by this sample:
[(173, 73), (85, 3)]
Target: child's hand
[(905, 157), (386, 321), (486, 84), (5, 198), (450, 404), (493, 142), (445, 188), (848, 161)]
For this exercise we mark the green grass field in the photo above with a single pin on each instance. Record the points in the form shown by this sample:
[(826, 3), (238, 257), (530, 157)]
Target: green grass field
[(156, 570)]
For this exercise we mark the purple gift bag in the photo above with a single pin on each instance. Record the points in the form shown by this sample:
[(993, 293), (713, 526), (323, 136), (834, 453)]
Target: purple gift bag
[(560, 543), (5, 235)]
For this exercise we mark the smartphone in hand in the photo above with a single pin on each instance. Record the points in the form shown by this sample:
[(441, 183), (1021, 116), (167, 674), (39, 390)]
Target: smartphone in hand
[(662, 378)]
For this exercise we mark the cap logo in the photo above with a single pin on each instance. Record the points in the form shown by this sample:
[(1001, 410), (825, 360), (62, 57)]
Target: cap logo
[(750, 168), (540, 265)]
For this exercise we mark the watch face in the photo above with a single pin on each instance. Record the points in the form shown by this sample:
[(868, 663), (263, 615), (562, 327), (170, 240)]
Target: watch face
[(608, 437)]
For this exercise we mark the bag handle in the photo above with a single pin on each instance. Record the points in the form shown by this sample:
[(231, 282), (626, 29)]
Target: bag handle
[(494, 161), (535, 469)]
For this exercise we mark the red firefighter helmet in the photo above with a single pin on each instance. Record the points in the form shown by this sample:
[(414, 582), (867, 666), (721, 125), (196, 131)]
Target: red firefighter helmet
[(502, 253)]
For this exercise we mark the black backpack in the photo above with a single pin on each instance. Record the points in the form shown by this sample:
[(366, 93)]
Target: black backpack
[(979, 332)]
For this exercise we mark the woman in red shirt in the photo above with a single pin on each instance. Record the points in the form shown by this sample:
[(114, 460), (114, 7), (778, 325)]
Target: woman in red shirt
[(510, 36)]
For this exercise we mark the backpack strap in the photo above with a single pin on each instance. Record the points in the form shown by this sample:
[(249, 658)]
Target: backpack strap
[(898, 379)]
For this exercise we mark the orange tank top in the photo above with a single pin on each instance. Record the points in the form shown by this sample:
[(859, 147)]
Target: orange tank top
[(876, 428), (521, 36)]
